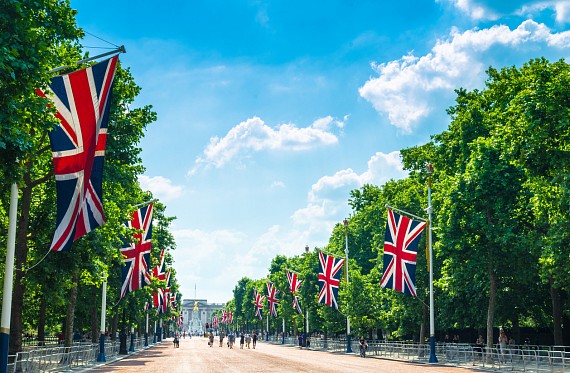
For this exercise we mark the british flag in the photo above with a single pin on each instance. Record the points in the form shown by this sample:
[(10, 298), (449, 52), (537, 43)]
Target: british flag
[(400, 252), (159, 274), (136, 254), (258, 299), (224, 317), (294, 285), (82, 100), (166, 292), (329, 279), (230, 317), (272, 298)]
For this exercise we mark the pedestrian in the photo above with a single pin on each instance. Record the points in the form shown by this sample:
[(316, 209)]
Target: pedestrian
[(221, 338), (176, 341), (211, 339), (247, 339), (363, 346), (241, 340), (503, 340), (254, 339), (231, 340), (301, 341)]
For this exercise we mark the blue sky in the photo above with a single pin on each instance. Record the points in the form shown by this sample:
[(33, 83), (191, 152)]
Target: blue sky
[(270, 112)]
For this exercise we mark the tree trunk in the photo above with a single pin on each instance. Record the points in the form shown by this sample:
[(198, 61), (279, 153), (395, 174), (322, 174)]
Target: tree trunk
[(95, 321), (20, 256), (42, 321), (71, 311), (424, 322), (556, 313), (115, 325)]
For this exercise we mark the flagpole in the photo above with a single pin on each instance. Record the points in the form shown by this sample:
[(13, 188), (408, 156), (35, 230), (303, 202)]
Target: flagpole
[(146, 331), (8, 280), (283, 339), (145, 203), (120, 49), (348, 344), (432, 356), (405, 212), (101, 356)]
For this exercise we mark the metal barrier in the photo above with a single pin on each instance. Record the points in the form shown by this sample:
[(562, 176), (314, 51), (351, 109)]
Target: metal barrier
[(553, 359), (56, 358)]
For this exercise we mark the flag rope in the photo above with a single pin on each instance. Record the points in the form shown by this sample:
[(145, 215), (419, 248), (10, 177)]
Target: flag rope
[(41, 260)]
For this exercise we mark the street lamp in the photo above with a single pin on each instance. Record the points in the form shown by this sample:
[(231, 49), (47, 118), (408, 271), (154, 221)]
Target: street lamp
[(101, 356), (306, 305), (432, 357), (348, 344)]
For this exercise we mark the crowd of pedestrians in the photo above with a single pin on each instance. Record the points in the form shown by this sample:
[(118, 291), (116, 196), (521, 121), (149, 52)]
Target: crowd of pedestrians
[(245, 339)]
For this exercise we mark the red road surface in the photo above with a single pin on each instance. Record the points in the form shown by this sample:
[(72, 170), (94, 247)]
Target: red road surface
[(194, 355)]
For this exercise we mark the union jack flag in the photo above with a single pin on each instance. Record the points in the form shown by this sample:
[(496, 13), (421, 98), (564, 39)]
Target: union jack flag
[(215, 323), (258, 299), (159, 274), (294, 285), (230, 317), (272, 298), (136, 255), (166, 292), (224, 317), (329, 279), (82, 100), (400, 252)]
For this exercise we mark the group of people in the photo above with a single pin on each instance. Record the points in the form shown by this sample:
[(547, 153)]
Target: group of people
[(244, 339)]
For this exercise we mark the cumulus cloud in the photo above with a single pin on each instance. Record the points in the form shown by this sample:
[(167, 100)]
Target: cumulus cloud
[(381, 168), (404, 87), (161, 187), (253, 135), (560, 8), (327, 197), (474, 10)]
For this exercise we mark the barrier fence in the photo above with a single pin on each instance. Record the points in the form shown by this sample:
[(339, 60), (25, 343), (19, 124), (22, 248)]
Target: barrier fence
[(519, 358), (54, 357)]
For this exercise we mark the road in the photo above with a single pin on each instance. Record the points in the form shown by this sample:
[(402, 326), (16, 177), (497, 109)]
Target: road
[(194, 355)]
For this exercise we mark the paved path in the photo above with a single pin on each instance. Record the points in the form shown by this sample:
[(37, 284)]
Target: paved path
[(194, 355)]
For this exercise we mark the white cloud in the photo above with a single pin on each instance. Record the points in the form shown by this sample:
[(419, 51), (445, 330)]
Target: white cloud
[(161, 187), (405, 88), (474, 10), (253, 135), (327, 198), (277, 184), (381, 168), (560, 8)]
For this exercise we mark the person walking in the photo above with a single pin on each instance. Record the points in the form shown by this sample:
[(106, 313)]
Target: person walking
[(247, 339), (231, 340), (254, 339), (363, 346), (221, 339), (241, 340), (211, 340), (503, 340)]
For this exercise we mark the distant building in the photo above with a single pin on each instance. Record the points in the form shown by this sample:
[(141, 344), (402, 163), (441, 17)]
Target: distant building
[(198, 312)]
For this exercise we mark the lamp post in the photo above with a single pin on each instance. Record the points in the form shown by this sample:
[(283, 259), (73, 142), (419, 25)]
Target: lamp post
[(348, 344), (432, 357), (101, 356), (306, 306)]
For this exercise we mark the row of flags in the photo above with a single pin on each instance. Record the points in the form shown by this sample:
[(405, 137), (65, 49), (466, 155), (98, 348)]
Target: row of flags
[(82, 100), (400, 252)]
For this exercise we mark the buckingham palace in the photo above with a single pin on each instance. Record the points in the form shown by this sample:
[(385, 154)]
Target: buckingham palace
[(196, 313)]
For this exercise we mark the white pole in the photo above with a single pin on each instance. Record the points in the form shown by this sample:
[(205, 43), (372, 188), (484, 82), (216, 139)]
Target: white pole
[(101, 356), (348, 344), (8, 279), (432, 356)]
